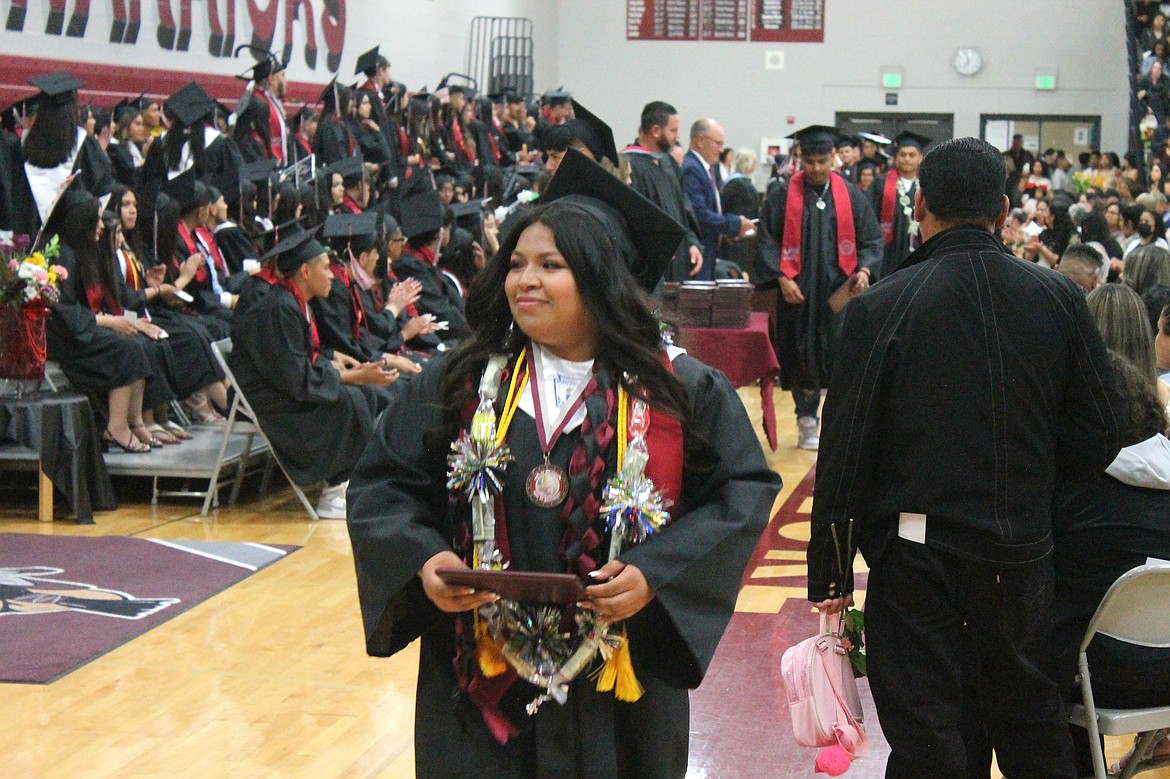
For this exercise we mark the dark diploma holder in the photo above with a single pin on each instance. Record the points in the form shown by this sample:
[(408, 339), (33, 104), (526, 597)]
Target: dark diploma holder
[(530, 586)]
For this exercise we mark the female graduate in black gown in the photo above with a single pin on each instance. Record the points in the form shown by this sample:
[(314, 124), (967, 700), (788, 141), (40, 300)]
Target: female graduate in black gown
[(153, 299), (99, 352), (560, 288), (53, 149)]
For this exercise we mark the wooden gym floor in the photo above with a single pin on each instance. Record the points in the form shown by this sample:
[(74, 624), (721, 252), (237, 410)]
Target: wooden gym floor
[(267, 679)]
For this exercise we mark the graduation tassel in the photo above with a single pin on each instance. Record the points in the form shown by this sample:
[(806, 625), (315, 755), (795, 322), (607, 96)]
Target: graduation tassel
[(487, 651), (618, 673)]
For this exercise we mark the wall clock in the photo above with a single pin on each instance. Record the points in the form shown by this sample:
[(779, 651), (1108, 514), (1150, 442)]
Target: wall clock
[(968, 61)]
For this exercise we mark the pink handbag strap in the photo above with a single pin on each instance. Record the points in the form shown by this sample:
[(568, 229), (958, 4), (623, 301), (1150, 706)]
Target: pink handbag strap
[(856, 738)]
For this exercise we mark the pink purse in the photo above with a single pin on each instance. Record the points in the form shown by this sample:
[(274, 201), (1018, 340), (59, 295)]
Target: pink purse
[(822, 693)]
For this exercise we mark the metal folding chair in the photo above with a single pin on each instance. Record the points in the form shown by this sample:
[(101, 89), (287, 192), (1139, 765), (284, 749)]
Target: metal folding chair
[(223, 349), (1136, 609)]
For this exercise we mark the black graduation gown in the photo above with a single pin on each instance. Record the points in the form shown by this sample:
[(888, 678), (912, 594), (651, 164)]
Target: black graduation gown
[(93, 358), (373, 145), (519, 137), (252, 149), (657, 177), (334, 316), (334, 141), (902, 244), (9, 162), (740, 196), (124, 169), (385, 329), (806, 332), (435, 298), (317, 425), (93, 172), (192, 365), (236, 246), (207, 306), (398, 520), (222, 161)]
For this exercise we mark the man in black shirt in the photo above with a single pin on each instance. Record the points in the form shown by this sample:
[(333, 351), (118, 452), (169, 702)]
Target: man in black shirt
[(967, 387)]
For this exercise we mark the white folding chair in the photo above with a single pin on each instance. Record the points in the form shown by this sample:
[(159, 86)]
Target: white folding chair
[(1136, 610), (223, 349)]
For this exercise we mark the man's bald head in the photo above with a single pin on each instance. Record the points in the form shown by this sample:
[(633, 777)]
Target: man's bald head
[(707, 139)]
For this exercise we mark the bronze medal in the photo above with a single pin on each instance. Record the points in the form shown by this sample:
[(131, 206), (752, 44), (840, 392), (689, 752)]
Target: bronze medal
[(547, 485)]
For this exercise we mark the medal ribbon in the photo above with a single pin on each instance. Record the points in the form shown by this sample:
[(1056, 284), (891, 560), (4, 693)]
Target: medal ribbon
[(549, 439)]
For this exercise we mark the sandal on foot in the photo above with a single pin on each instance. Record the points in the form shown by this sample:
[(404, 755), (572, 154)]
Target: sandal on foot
[(133, 446), (144, 435), (162, 434), (175, 429)]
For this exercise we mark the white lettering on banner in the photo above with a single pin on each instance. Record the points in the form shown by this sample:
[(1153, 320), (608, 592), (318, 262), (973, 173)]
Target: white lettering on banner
[(177, 26)]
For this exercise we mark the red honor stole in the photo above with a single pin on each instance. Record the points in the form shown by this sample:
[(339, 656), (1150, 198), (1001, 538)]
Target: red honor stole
[(191, 247), (276, 137), (355, 299), (303, 142), (889, 198), (208, 241), (98, 294), (350, 205), (790, 258), (314, 338)]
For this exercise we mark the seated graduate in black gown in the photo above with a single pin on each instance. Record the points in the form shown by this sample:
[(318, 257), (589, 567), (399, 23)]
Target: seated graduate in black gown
[(1103, 528), (53, 149), (153, 299), (344, 317), (196, 268), (356, 185), (317, 417), (561, 322), (100, 351), (422, 220), (234, 242)]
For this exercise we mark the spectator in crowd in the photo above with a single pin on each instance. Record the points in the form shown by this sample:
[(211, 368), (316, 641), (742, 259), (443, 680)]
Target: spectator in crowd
[(1082, 263), (1146, 267), (1105, 526), (959, 593)]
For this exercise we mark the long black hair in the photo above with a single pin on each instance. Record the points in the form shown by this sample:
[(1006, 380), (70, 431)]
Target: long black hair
[(629, 340), (77, 229), (177, 135), (133, 238), (53, 136)]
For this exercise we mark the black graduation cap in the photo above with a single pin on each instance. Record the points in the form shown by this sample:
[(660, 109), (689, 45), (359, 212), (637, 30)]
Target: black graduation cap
[(877, 138), (257, 172), (266, 64), (369, 62), (58, 88), (597, 135), (816, 138), (846, 140), (191, 104), (352, 169), (511, 96), (907, 138), (457, 89), (556, 96), (651, 234), (65, 200), (497, 97), (297, 247), (354, 231), (123, 107), (186, 190), (421, 209), (464, 210)]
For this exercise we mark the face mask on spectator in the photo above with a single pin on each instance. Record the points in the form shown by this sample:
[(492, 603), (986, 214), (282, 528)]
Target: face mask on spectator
[(1145, 230)]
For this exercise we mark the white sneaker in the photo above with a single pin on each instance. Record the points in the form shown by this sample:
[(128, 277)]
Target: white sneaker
[(331, 504), (807, 436)]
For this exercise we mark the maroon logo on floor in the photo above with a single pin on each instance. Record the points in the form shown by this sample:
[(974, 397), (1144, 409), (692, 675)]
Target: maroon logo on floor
[(33, 590)]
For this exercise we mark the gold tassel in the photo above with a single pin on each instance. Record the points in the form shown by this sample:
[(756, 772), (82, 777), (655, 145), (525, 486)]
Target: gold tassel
[(618, 674), (491, 661)]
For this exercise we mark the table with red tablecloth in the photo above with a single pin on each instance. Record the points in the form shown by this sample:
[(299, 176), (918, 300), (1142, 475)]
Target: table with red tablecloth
[(744, 355)]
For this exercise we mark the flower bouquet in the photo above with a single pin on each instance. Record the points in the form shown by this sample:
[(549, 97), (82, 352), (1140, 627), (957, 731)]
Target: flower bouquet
[(29, 286)]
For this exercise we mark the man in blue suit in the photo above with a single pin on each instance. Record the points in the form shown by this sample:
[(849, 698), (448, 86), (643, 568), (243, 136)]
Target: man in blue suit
[(701, 182)]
